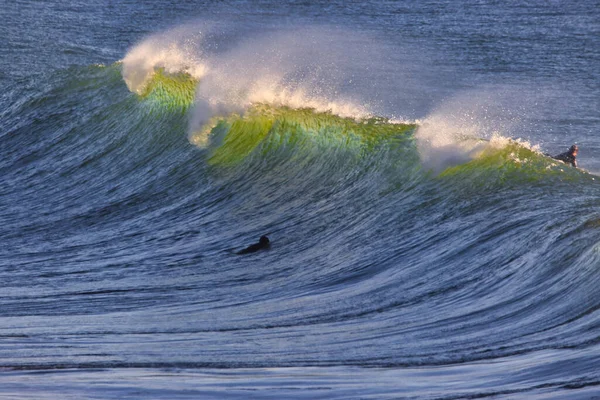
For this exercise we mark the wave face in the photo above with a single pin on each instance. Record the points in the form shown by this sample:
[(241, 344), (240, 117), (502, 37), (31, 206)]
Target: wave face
[(409, 248)]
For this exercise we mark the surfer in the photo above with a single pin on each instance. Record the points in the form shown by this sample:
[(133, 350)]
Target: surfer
[(263, 243), (569, 157)]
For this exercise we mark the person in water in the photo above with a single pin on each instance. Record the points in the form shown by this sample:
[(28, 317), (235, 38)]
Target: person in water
[(263, 243), (569, 157)]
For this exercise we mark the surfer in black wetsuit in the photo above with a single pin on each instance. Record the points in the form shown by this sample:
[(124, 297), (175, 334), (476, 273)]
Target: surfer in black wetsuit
[(263, 243), (569, 157)]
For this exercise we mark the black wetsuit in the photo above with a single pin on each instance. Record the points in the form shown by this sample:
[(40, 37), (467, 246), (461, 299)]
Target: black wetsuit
[(264, 243), (567, 158)]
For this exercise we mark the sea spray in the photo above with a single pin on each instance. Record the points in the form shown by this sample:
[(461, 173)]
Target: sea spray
[(300, 70), (467, 126), (174, 52)]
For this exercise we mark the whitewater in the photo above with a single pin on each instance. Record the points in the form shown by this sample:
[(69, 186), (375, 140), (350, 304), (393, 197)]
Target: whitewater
[(423, 243)]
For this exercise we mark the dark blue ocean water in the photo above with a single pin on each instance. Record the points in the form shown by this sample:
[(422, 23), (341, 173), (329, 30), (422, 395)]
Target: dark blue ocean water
[(422, 244)]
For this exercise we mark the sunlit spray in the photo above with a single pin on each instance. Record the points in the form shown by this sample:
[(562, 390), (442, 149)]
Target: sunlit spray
[(462, 128), (175, 51)]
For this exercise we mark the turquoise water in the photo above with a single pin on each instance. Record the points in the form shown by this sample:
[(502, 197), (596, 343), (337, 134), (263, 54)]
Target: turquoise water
[(422, 245)]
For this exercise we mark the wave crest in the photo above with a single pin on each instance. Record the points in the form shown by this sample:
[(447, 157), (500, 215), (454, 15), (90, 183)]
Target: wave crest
[(174, 52)]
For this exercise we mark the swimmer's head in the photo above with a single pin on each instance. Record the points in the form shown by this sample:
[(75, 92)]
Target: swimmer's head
[(574, 150), (264, 240)]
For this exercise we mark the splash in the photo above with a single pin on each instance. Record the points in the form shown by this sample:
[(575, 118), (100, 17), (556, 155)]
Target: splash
[(303, 69), (174, 53), (468, 127)]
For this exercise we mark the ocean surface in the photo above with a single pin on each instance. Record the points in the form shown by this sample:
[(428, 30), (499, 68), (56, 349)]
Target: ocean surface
[(423, 244)]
